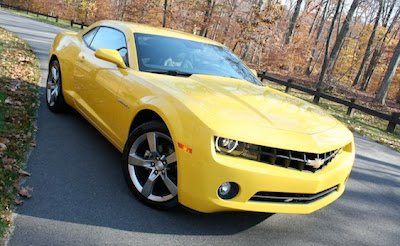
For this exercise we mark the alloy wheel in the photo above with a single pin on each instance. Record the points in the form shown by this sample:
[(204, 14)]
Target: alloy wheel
[(53, 85), (152, 166)]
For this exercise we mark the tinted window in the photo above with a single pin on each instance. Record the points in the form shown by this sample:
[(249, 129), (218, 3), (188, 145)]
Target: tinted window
[(88, 37), (160, 53), (110, 38)]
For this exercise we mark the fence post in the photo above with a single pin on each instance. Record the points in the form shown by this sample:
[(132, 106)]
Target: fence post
[(392, 122), (56, 18), (317, 96), (82, 25), (262, 76), (350, 108), (288, 87), (72, 23)]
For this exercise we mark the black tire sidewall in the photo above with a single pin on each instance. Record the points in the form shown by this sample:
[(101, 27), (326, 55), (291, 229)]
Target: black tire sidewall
[(152, 126), (59, 105)]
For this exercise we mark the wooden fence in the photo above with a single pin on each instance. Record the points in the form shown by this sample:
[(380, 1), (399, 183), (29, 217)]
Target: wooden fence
[(8, 6), (393, 119), (81, 24)]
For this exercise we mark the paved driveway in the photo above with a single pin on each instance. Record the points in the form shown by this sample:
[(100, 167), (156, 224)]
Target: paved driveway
[(80, 197)]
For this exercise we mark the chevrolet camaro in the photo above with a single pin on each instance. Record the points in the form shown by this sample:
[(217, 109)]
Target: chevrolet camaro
[(194, 125)]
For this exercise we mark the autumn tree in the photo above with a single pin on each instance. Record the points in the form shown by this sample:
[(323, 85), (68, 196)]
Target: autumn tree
[(371, 40), (330, 59), (380, 48), (293, 20), (390, 72)]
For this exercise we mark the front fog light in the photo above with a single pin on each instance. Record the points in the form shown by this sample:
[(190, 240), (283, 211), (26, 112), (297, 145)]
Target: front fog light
[(228, 190), (224, 189)]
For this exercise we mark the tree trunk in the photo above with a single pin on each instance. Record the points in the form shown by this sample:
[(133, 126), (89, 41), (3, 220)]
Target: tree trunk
[(329, 63), (398, 96), (124, 6), (342, 34), (390, 72), (310, 67), (377, 53), (389, 13), (164, 20), (315, 19), (207, 17), (368, 50), (328, 40), (292, 25)]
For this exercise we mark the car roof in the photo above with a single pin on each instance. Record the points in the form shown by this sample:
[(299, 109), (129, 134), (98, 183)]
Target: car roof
[(141, 28)]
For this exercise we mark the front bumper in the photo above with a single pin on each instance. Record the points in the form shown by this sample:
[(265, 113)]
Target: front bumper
[(203, 171)]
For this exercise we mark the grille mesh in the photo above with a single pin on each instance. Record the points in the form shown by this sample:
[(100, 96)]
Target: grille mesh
[(287, 158)]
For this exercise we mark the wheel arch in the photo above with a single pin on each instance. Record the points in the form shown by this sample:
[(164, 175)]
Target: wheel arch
[(178, 123), (52, 58), (143, 116)]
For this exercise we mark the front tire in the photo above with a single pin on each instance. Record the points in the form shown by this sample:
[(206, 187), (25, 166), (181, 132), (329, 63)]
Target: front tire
[(54, 96), (150, 167)]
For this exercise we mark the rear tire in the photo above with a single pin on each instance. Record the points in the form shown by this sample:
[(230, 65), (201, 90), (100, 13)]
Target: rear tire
[(54, 96), (150, 167)]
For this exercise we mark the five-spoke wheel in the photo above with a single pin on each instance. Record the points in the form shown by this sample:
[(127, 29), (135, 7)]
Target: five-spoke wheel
[(150, 165)]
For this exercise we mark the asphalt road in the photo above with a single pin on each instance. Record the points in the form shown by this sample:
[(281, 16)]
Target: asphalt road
[(80, 197)]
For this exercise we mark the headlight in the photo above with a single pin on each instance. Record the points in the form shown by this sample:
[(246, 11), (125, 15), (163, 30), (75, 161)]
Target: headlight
[(229, 146), (236, 148)]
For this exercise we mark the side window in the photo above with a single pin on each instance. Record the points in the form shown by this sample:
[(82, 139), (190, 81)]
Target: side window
[(88, 37), (110, 38)]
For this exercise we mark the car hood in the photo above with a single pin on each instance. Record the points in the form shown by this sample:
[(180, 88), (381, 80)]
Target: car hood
[(223, 102)]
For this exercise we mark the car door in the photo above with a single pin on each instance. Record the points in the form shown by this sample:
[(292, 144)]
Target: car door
[(97, 81)]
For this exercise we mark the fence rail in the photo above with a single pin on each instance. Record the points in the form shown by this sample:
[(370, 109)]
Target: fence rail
[(8, 6), (81, 24), (56, 18), (393, 119)]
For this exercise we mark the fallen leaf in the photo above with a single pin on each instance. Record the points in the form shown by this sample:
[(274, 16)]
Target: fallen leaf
[(8, 100), (8, 160), (7, 167), (23, 172), (25, 191), (4, 140), (18, 201), (3, 147)]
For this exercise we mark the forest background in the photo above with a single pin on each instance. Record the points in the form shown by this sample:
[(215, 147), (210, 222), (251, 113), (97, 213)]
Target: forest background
[(348, 46)]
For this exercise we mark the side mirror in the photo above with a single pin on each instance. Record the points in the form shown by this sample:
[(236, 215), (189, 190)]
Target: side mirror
[(253, 71), (110, 56)]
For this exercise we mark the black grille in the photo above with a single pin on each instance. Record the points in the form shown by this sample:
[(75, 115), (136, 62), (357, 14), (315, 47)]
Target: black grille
[(287, 158), (280, 197)]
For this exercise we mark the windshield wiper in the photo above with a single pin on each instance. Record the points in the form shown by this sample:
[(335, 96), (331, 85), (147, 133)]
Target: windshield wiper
[(169, 72)]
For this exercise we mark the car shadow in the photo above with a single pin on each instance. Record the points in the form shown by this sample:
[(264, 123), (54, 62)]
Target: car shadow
[(77, 178)]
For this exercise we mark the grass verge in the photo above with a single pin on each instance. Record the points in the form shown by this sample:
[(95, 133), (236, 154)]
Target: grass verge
[(364, 124), (19, 93), (61, 23)]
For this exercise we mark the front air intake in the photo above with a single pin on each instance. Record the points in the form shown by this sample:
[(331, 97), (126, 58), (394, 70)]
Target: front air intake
[(279, 197)]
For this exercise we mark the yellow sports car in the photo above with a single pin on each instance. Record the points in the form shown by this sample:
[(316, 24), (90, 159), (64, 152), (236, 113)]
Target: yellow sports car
[(195, 125)]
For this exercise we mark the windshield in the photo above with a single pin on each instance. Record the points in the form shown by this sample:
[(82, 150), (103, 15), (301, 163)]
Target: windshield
[(165, 54)]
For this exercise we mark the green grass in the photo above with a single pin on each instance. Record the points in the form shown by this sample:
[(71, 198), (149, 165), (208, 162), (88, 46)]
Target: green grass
[(61, 23), (366, 125), (19, 93)]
